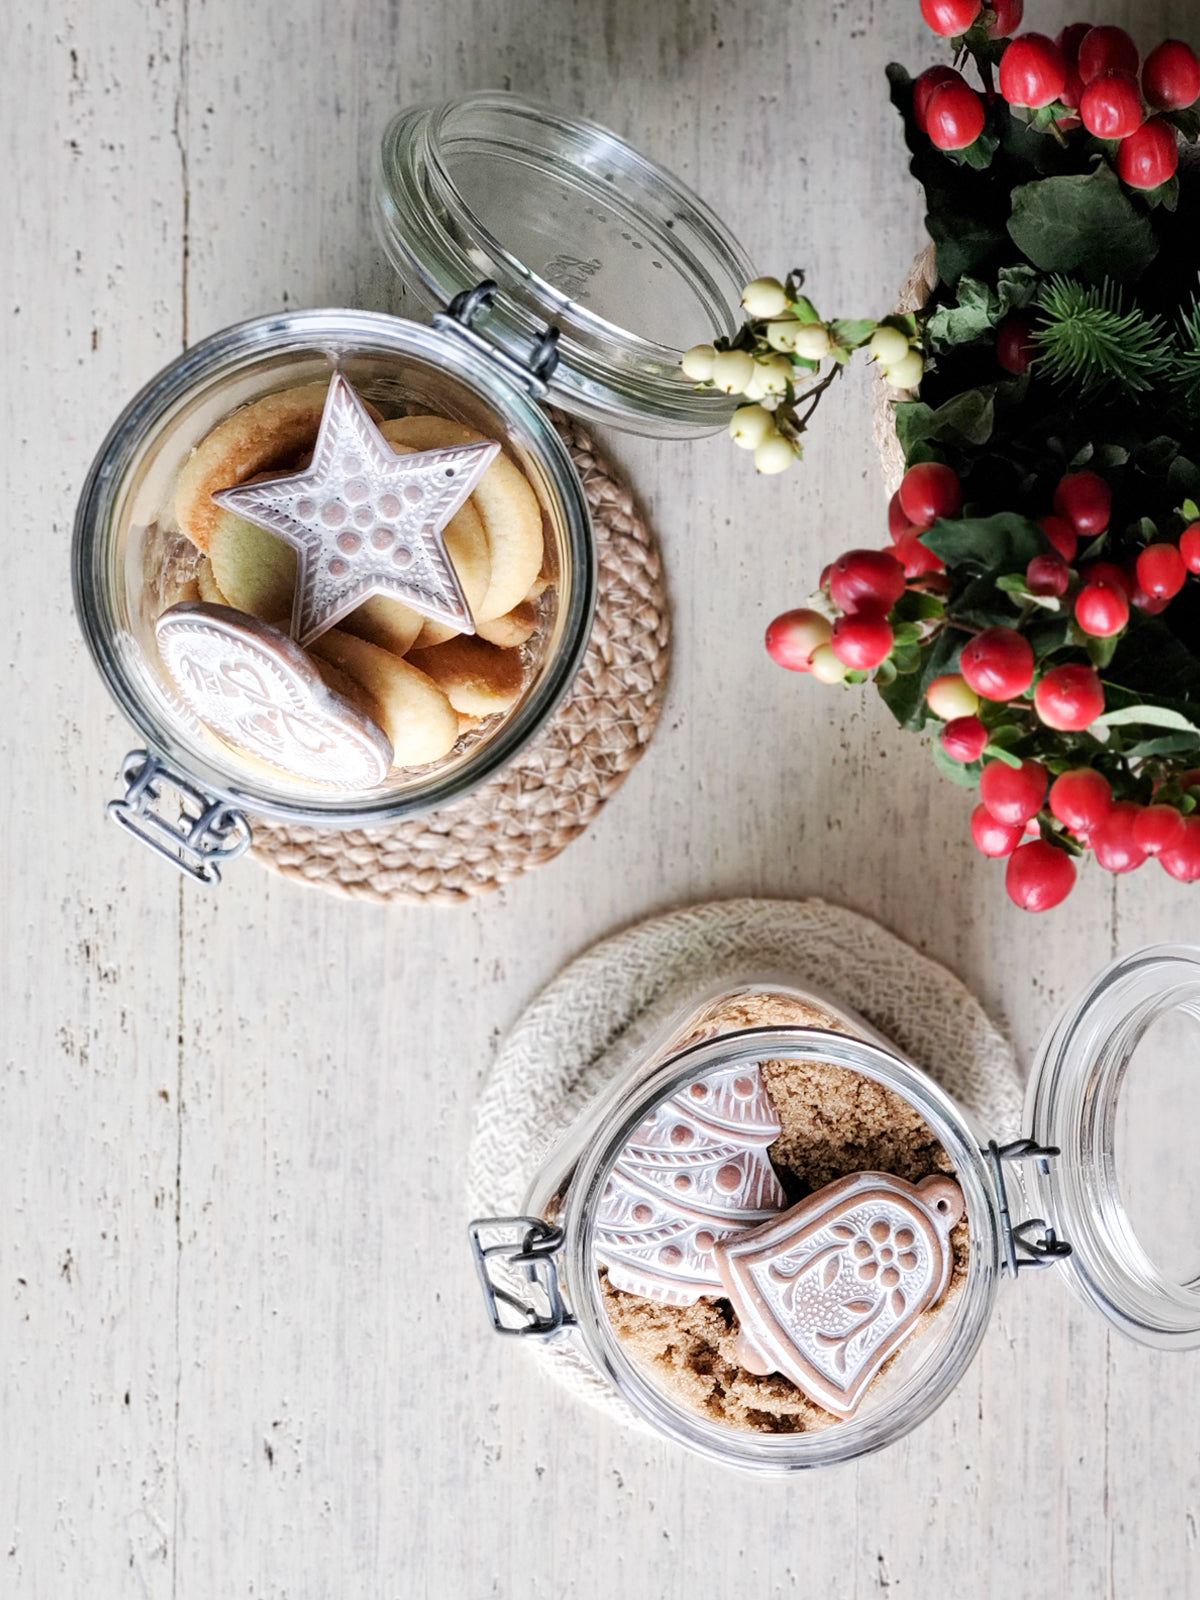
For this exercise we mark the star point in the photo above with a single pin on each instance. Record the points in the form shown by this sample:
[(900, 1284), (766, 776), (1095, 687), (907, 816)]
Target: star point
[(365, 521)]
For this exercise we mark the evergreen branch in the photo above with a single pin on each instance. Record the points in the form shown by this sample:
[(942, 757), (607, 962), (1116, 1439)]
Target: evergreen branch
[(1186, 371), (1088, 340)]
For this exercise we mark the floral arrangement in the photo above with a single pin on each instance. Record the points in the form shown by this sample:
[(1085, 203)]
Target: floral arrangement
[(1035, 607)]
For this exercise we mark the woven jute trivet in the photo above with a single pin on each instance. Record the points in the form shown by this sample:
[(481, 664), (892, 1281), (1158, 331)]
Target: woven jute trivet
[(556, 787)]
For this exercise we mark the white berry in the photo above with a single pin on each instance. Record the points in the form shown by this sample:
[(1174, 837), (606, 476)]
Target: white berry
[(764, 297), (750, 425), (825, 667), (774, 373), (773, 454), (812, 341), (888, 346), (697, 362), (782, 335), (906, 374), (951, 696), (732, 370)]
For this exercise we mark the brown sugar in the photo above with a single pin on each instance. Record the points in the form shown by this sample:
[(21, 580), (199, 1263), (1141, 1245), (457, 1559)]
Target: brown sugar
[(834, 1122)]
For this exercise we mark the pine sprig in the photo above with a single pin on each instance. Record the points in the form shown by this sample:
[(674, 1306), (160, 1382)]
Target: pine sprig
[(1186, 372), (1089, 341)]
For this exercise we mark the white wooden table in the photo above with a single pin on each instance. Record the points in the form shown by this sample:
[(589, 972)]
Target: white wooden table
[(242, 1349)]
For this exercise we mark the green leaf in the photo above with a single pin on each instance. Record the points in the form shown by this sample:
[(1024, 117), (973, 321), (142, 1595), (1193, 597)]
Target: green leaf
[(852, 331), (976, 313), (1101, 651), (962, 242), (1005, 736), (987, 544), (965, 419), (999, 753), (804, 309), (1167, 744), (967, 777), (1189, 511), (906, 633), (1084, 224), (1016, 287), (1146, 717), (885, 672)]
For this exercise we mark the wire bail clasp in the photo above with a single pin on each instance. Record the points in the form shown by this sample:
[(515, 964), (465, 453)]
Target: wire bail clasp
[(525, 1250), (1034, 1242), (205, 832), (534, 372)]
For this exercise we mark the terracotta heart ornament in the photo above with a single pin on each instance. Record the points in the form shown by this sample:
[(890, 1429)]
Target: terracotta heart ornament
[(826, 1291)]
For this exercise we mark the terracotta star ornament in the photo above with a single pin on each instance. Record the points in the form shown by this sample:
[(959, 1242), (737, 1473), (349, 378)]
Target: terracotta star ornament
[(365, 520)]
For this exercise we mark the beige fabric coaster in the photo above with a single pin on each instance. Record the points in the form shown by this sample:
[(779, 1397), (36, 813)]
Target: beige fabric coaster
[(549, 795), (560, 1052)]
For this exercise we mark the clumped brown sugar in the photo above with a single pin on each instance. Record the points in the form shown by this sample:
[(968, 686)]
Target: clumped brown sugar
[(834, 1122)]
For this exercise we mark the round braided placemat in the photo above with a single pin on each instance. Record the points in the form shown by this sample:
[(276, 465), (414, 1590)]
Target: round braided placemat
[(555, 788)]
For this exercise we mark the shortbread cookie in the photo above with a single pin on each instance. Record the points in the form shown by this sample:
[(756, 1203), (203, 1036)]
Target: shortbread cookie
[(210, 590), (254, 570), (477, 678), (412, 710), (266, 433), (509, 509), (513, 628)]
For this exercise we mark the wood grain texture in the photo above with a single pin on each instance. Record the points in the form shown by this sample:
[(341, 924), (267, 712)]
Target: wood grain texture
[(240, 1339)]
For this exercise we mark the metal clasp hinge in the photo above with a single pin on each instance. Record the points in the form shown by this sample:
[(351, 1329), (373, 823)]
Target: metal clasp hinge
[(534, 373), (205, 832), (525, 1249), (1034, 1242)]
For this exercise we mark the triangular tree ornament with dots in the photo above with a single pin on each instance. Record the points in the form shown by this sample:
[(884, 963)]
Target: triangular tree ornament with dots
[(695, 1171)]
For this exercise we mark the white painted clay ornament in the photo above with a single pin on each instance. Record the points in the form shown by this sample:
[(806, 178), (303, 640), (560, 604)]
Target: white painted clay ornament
[(252, 685), (825, 1292), (694, 1172), (366, 521)]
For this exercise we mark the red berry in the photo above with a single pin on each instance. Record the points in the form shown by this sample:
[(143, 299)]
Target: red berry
[(1171, 76), (1061, 535), (1039, 876), (998, 663), (1107, 572), (1008, 14), (1069, 698), (932, 78), (964, 739), (1032, 71), (1111, 106), (862, 640), (898, 523), (866, 580), (1013, 794), (1072, 94), (930, 490), (1015, 348), (1147, 603), (1106, 50), (950, 17), (1101, 609), (1081, 799), (1182, 861), (1189, 547), (1117, 850), (1157, 829), (1071, 38), (917, 560), (792, 638), (991, 837), (1161, 571), (1085, 500), (1149, 156), (1048, 575), (954, 116)]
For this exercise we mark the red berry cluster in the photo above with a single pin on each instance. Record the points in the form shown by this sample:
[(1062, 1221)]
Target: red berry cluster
[(1086, 77), (859, 629)]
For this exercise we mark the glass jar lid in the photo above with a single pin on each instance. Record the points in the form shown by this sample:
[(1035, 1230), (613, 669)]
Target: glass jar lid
[(578, 230), (1116, 1088)]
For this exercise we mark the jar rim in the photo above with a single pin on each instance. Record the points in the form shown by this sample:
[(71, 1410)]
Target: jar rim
[(337, 332), (441, 245), (923, 1391)]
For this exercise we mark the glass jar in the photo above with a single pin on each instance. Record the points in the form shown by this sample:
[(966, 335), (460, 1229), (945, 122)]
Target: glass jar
[(469, 198), (1087, 1168)]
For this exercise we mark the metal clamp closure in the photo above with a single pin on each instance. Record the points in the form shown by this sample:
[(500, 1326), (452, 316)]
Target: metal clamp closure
[(526, 1248), (204, 833), (1034, 1242), (534, 372)]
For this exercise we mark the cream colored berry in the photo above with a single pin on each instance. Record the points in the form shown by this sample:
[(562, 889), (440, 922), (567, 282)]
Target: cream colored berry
[(951, 696), (732, 370), (773, 454), (888, 345), (774, 373), (750, 425), (826, 668), (697, 362), (764, 297), (812, 341), (906, 374), (782, 335)]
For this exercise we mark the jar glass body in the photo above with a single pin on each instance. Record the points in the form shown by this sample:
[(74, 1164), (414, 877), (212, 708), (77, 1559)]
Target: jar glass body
[(652, 1064), (130, 563)]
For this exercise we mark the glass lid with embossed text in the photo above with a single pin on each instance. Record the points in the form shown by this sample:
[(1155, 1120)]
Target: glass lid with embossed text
[(578, 230)]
